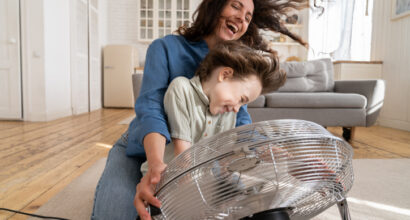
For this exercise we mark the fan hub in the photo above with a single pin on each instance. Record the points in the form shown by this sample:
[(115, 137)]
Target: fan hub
[(243, 164)]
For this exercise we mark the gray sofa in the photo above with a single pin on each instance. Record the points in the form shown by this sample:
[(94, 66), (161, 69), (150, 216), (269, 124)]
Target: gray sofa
[(310, 93)]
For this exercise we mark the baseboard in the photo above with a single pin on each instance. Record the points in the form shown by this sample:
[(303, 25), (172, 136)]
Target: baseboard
[(58, 114), (80, 110), (49, 116), (35, 117), (398, 124)]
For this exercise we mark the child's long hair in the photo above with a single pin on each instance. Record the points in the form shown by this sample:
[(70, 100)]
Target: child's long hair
[(244, 61)]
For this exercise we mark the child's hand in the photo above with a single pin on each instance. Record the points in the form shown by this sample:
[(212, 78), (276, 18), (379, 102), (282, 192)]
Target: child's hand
[(145, 190)]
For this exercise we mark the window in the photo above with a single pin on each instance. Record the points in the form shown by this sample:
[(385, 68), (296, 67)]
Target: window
[(342, 32), (146, 19), (158, 18)]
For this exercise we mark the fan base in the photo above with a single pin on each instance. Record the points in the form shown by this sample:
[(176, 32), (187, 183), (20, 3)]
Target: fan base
[(272, 214)]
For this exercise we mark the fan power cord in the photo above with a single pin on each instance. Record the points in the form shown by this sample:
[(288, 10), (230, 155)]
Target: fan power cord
[(34, 215)]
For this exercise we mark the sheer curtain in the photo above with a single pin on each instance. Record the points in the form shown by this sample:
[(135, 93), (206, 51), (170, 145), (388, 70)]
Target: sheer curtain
[(341, 31)]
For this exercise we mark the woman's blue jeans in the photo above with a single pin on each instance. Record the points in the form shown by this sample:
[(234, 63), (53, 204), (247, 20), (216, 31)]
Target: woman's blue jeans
[(114, 195)]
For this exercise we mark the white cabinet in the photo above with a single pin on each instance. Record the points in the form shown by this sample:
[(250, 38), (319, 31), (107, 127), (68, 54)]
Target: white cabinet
[(158, 18), (348, 70), (119, 64)]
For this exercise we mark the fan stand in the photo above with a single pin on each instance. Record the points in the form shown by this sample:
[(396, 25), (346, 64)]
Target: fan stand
[(282, 213), (343, 209), (272, 214)]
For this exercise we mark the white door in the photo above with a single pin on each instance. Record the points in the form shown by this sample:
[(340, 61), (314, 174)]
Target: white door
[(10, 75), (79, 56), (94, 57)]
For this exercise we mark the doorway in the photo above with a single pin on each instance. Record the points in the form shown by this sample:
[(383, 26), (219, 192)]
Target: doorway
[(10, 60)]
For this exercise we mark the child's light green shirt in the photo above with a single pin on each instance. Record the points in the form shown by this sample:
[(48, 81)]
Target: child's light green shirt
[(189, 118), (187, 109)]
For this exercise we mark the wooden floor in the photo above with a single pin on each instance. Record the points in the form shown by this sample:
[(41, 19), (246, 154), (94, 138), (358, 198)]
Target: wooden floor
[(37, 160)]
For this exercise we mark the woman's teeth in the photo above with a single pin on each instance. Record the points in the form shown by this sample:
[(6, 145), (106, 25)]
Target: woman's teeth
[(233, 28)]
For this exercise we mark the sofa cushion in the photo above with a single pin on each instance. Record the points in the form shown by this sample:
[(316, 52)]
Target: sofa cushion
[(258, 103), (308, 76), (315, 100)]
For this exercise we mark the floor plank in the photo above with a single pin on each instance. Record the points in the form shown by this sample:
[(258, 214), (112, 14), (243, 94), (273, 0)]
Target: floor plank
[(378, 142), (47, 195), (44, 149), (38, 159)]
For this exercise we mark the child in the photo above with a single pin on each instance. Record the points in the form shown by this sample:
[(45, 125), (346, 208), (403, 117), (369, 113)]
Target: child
[(230, 76)]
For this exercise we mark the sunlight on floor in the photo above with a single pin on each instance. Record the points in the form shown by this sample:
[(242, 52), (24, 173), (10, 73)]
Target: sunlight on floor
[(376, 205), (104, 145)]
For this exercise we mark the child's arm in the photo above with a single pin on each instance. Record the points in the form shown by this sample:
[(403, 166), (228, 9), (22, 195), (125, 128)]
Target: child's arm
[(180, 146), (176, 101)]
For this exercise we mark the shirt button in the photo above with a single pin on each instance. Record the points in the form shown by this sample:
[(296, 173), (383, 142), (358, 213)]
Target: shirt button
[(209, 122)]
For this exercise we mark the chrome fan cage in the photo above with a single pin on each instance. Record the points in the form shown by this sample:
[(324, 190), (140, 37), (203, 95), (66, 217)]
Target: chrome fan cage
[(292, 164)]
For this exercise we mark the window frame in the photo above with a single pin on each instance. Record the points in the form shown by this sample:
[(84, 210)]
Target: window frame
[(152, 21)]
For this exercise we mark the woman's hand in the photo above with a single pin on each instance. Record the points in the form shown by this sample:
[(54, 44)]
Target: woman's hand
[(145, 190), (154, 145)]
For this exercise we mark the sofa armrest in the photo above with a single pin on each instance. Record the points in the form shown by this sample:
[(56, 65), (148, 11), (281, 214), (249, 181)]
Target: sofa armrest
[(136, 85), (373, 90)]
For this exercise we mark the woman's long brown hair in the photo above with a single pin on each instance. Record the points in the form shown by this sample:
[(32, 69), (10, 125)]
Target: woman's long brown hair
[(267, 15)]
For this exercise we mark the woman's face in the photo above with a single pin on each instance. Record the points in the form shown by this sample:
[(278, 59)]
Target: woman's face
[(234, 20)]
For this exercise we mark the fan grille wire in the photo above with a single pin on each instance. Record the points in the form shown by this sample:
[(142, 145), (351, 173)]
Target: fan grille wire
[(300, 165)]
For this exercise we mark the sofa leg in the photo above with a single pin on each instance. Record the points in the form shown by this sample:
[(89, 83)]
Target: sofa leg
[(348, 133)]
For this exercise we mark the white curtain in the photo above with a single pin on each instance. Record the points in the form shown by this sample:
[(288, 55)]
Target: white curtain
[(341, 31), (346, 8), (362, 30)]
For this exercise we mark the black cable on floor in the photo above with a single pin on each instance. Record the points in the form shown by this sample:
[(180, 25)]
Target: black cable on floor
[(34, 215)]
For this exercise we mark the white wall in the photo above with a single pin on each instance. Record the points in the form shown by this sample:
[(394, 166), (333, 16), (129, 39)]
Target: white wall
[(45, 58), (391, 44), (102, 25), (121, 25), (57, 57)]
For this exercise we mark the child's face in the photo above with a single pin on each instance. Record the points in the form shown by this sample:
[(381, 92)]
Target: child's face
[(230, 94)]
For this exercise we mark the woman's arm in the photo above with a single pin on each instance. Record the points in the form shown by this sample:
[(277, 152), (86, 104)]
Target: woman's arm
[(243, 117), (151, 130), (149, 107), (154, 144)]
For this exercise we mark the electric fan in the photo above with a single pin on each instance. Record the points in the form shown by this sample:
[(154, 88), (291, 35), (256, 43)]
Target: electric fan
[(279, 169)]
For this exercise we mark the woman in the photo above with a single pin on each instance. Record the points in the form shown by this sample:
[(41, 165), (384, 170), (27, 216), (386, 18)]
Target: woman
[(168, 58)]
